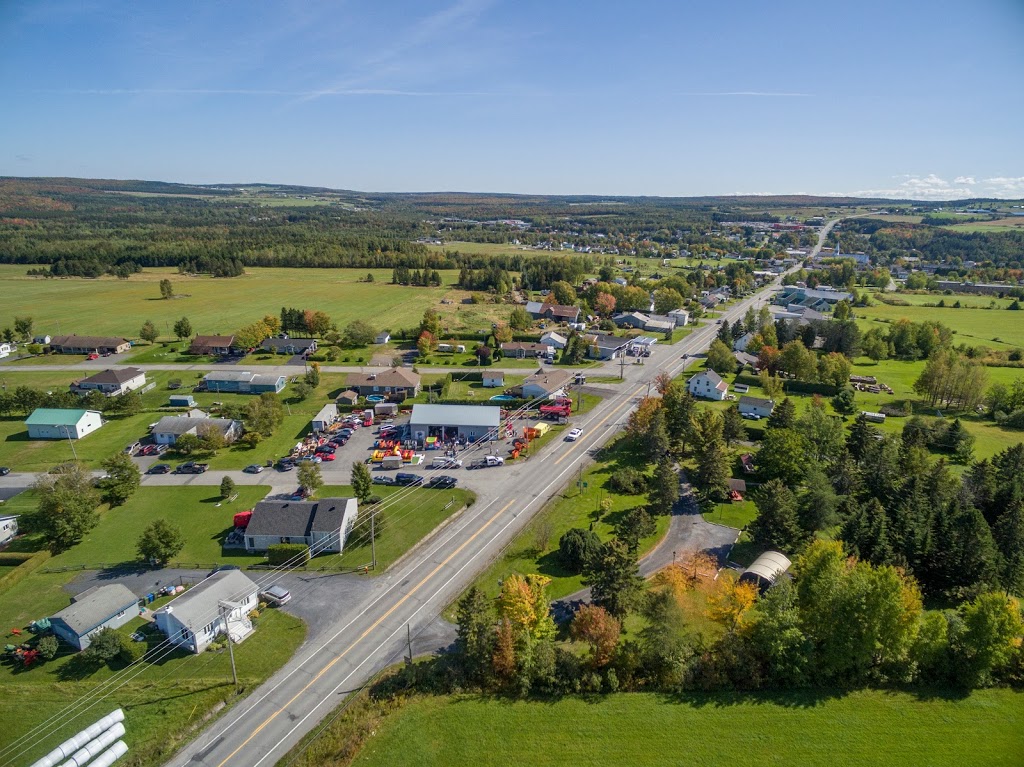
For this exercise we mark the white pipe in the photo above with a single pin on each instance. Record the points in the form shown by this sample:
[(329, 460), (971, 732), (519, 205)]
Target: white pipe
[(111, 755), (94, 747), (69, 746)]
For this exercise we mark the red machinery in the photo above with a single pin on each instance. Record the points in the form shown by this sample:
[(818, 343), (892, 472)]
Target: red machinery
[(560, 408)]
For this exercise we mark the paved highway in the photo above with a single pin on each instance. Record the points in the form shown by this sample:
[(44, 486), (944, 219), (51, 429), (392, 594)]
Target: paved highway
[(371, 633)]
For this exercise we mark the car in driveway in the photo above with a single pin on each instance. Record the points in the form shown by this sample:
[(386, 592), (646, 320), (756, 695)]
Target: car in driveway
[(573, 434), (327, 456), (159, 468), (751, 416), (443, 482), (320, 449), (276, 595), (383, 479), (253, 468)]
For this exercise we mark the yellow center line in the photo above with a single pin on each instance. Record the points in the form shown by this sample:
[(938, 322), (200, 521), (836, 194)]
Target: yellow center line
[(362, 636), (575, 445)]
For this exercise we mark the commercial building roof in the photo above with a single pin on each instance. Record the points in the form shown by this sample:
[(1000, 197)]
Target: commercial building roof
[(200, 605), (94, 606), (550, 380), (456, 415), (298, 519), (49, 416)]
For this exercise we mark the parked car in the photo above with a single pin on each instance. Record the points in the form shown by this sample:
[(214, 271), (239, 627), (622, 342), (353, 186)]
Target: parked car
[(573, 434), (93, 356), (4, 471), (346, 433), (751, 416), (276, 595), (324, 449), (327, 456), (309, 459), (284, 465), (404, 478), (191, 467), (132, 448), (159, 468), (383, 479), (445, 462), (443, 482), (253, 468), (339, 441)]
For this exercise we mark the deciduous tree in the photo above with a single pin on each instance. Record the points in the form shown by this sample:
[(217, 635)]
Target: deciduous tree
[(362, 482), (67, 506), (122, 480), (160, 542), (599, 629)]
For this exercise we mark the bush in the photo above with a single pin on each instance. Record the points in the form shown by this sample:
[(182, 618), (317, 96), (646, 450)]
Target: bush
[(628, 482), (373, 499), (132, 651), (106, 645), (577, 548), (48, 647), (292, 554)]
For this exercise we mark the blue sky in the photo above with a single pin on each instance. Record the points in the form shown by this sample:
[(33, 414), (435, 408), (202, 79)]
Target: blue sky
[(873, 97)]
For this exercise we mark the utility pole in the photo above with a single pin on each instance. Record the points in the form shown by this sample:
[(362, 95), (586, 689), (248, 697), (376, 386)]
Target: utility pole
[(373, 541), (225, 613), (622, 367), (67, 433), (408, 640)]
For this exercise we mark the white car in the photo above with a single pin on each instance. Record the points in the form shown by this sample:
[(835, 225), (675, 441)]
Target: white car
[(573, 435)]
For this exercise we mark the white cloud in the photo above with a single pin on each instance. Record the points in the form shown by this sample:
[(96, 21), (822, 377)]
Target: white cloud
[(933, 187)]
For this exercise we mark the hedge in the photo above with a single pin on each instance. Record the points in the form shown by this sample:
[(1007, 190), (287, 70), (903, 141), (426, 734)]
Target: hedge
[(792, 386), (296, 554), (23, 570), (14, 558)]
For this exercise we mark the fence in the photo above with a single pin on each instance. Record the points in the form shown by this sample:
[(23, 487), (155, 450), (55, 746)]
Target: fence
[(133, 566)]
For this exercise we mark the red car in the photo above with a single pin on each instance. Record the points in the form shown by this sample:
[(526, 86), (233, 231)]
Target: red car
[(327, 456), (93, 356)]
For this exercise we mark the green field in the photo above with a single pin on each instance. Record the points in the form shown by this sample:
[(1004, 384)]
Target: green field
[(974, 326), (737, 514), (967, 301), (862, 729), (110, 306)]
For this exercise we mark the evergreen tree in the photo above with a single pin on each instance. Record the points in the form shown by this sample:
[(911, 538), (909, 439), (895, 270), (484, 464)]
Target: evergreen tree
[(713, 471), (474, 644), (733, 428), (960, 557), (635, 525), (725, 334), (614, 580), (1009, 537), (783, 415), (776, 525), (867, 535), (862, 434), (817, 503), (664, 487)]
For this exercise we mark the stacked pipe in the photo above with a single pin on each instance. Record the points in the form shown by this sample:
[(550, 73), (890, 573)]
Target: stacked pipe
[(100, 741)]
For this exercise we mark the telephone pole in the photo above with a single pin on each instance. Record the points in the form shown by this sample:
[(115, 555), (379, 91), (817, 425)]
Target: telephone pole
[(224, 614), (373, 541)]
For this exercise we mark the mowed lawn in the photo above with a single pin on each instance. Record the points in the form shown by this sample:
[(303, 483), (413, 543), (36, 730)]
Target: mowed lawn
[(108, 306), (997, 328), (862, 729)]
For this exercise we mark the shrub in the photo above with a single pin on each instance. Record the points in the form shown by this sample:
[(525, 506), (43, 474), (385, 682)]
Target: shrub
[(132, 651), (628, 482), (48, 647), (292, 554), (577, 548), (106, 645)]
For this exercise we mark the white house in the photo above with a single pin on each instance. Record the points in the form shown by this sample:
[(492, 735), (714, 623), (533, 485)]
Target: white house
[(111, 382), (708, 385), (169, 428), (219, 605), (741, 343), (323, 525), (8, 528), (5, 349), (551, 338), (547, 384), (493, 379), (95, 609), (762, 408), (680, 316), (62, 423)]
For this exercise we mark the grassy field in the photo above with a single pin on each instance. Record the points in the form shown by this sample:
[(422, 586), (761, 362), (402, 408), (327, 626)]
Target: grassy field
[(1009, 224), (999, 328), (738, 514), (535, 550), (111, 306), (967, 301), (705, 730)]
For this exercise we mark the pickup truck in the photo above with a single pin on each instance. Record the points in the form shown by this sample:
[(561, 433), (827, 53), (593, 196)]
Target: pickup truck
[(192, 468), (489, 460)]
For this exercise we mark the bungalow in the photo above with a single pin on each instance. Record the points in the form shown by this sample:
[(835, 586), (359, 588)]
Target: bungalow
[(323, 420), (303, 346), (95, 609), (395, 383), (493, 379), (347, 397), (603, 346), (547, 384), (111, 382), (382, 338), (168, 429), (557, 340), (218, 605), (708, 385), (746, 360), (62, 423), (523, 350), (8, 527), (631, 320), (710, 301), (323, 524), (219, 346), (6, 349), (741, 343), (89, 344), (242, 382), (556, 312), (762, 408)]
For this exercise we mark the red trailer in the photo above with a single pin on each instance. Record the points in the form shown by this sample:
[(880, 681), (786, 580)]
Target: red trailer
[(242, 519)]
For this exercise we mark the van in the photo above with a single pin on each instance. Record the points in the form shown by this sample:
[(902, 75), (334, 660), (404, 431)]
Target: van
[(405, 478)]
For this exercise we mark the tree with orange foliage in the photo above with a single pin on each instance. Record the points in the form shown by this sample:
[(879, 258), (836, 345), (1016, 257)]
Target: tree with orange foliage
[(730, 600), (503, 660), (604, 304), (596, 626), (683, 576), (523, 603), (639, 423)]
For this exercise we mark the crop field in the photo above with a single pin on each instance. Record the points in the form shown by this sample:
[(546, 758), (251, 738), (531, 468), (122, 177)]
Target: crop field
[(999, 329), (108, 306), (861, 729), (1008, 224)]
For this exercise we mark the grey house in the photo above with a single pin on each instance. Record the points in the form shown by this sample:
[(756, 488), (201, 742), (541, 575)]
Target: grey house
[(323, 525), (91, 611), (220, 604)]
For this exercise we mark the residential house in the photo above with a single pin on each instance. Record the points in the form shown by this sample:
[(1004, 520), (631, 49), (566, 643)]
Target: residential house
[(242, 382), (6, 349), (762, 408), (493, 379), (659, 324), (524, 350), (741, 343), (95, 609), (708, 385), (556, 340), (168, 429), (710, 301), (323, 524), (218, 605), (395, 383), (547, 384), (746, 360), (62, 423), (603, 346), (89, 344), (8, 527), (382, 337), (111, 382), (323, 420), (631, 320), (293, 346), (555, 312), (218, 346)]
